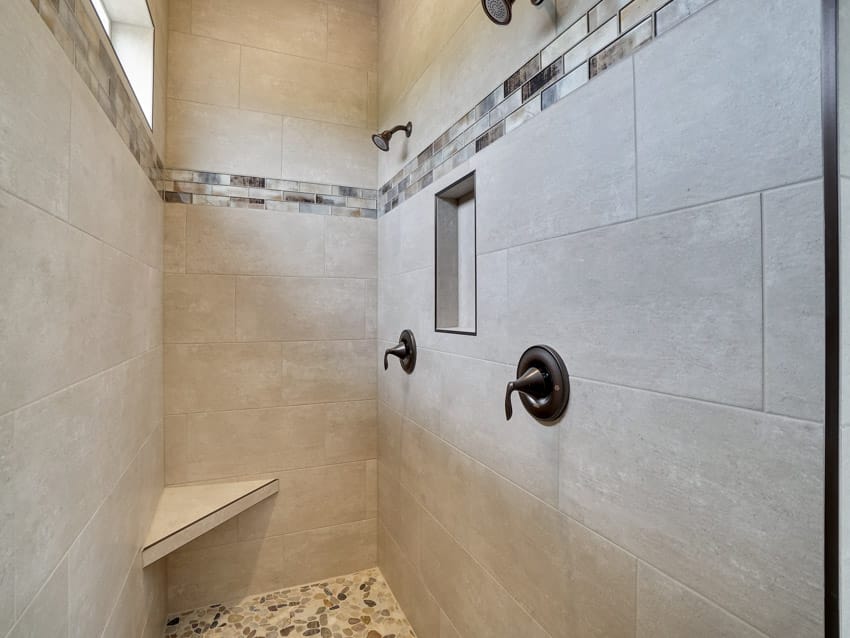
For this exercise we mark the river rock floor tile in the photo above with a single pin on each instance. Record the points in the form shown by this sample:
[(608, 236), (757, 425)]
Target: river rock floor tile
[(358, 605)]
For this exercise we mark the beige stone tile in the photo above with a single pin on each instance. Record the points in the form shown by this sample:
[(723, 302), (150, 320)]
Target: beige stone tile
[(447, 629), (108, 304), (278, 83), (667, 609), (174, 239), (7, 524), (111, 197), (352, 36), (328, 371), (476, 604), (221, 376), (203, 70), (372, 488), (399, 513), (220, 445), (390, 429), (371, 309), (128, 615), (180, 15), (310, 498), (293, 309), (351, 247), (199, 308), (413, 596), (48, 614), (227, 572), (329, 153), (329, 551), (223, 140), (35, 97), (372, 100), (298, 27), (224, 534), (253, 242)]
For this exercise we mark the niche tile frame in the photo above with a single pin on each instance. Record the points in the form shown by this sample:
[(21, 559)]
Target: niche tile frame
[(604, 35)]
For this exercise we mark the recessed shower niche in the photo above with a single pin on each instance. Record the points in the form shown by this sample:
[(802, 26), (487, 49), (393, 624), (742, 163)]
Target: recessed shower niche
[(455, 300)]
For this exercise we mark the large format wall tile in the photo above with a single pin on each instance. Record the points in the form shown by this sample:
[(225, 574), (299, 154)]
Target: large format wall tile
[(111, 197), (174, 238), (316, 151), (36, 119), (328, 371), (221, 376), (351, 247), (671, 303), (476, 604), (220, 445), (329, 551), (353, 34), (288, 85), (731, 121), (727, 501), (48, 614), (7, 524), (199, 308), (794, 301), (203, 70), (253, 242), (548, 180), (294, 309), (202, 137), (667, 609), (300, 26)]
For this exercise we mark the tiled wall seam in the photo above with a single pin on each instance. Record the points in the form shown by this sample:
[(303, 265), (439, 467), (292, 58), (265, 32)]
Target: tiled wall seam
[(81, 36), (265, 193), (607, 33)]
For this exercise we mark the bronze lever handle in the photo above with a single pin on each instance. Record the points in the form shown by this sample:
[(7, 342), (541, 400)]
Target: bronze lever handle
[(534, 383), (405, 351), (399, 351)]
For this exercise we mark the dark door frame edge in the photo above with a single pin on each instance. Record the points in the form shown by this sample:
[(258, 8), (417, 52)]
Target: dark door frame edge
[(829, 115)]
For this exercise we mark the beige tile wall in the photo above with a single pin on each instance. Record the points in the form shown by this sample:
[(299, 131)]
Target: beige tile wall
[(274, 89), (269, 330), (81, 457)]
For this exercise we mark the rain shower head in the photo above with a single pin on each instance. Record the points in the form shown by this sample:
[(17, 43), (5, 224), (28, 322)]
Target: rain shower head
[(382, 140), (499, 11)]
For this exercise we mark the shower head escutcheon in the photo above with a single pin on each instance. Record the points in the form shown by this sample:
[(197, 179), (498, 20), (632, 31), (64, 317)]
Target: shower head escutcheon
[(499, 11), (382, 140)]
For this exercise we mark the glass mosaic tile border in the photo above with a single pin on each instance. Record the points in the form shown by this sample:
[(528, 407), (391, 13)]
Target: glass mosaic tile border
[(612, 30), (265, 193)]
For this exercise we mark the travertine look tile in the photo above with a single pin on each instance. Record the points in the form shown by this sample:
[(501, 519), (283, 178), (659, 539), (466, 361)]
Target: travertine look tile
[(694, 489), (390, 430), (295, 309), (399, 513), (219, 445), (298, 27), (180, 15), (203, 70), (311, 498), (252, 242), (199, 308), (198, 576), (331, 153), (328, 371), (794, 301), (34, 151), (351, 247), (352, 36), (278, 83), (127, 615), (476, 604), (371, 309), (699, 325), (321, 553), (418, 604), (667, 609), (48, 614), (417, 396), (223, 140), (7, 524), (174, 239), (111, 197), (221, 376), (730, 127)]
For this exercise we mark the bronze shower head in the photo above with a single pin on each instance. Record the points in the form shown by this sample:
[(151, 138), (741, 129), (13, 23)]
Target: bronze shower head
[(382, 140), (499, 11)]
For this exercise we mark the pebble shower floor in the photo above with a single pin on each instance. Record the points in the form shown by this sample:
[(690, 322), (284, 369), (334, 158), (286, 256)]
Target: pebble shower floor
[(359, 605)]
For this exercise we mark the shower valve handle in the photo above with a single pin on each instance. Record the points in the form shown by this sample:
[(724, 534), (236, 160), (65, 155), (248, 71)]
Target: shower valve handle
[(534, 384), (405, 351)]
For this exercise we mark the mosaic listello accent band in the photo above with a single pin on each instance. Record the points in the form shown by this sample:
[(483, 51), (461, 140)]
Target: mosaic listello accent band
[(82, 38), (241, 191), (359, 605), (609, 32)]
